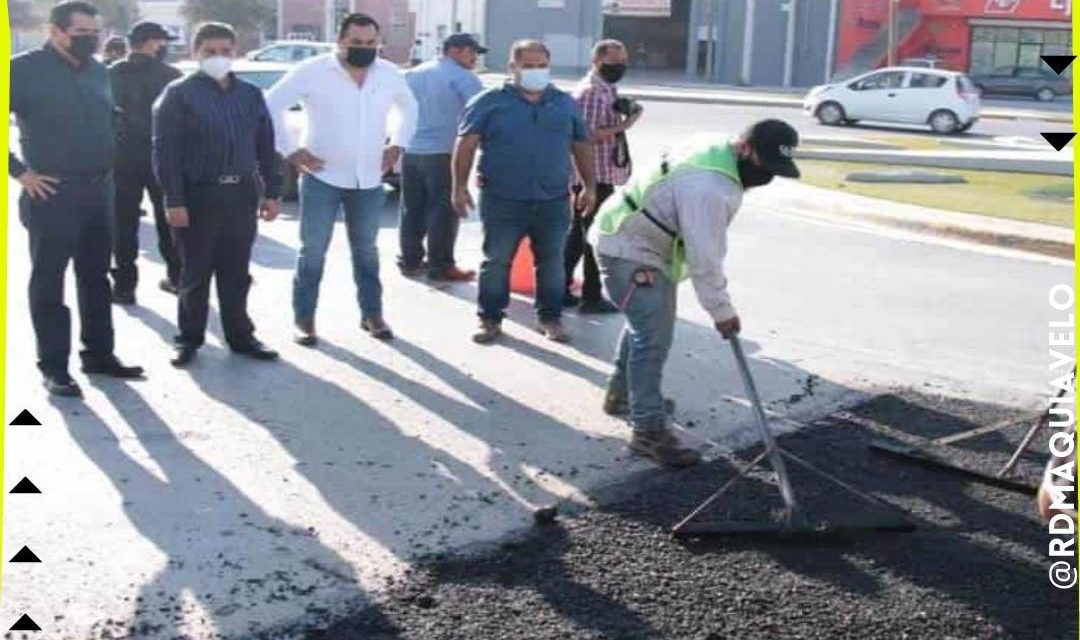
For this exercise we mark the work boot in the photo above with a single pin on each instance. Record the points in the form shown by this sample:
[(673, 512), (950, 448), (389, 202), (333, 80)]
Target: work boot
[(168, 286), (554, 331), (489, 332), (664, 448), (305, 333), (618, 405)]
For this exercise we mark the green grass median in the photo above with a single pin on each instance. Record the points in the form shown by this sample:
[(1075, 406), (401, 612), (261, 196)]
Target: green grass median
[(1018, 196)]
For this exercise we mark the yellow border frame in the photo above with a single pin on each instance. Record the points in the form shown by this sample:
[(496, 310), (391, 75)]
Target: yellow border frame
[(5, 51)]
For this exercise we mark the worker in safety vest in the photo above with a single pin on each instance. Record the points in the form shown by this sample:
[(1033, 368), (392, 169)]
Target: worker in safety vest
[(668, 224)]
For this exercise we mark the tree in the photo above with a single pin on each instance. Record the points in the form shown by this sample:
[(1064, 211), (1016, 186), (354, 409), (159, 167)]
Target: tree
[(246, 16)]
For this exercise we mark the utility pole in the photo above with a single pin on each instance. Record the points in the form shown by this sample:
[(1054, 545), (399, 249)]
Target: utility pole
[(329, 7), (280, 20), (454, 16), (891, 57), (789, 44), (710, 45)]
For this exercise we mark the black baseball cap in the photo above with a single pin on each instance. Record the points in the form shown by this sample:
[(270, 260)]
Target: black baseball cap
[(775, 142), (146, 30), (463, 40)]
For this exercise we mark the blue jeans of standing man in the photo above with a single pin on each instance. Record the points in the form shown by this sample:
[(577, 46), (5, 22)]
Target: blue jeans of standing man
[(319, 204), (506, 223), (646, 340)]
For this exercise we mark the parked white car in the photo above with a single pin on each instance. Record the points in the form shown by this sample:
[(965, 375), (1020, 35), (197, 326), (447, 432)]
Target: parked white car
[(290, 51), (947, 101)]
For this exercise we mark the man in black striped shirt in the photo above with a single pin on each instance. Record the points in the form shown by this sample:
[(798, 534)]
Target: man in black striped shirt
[(213, 155)]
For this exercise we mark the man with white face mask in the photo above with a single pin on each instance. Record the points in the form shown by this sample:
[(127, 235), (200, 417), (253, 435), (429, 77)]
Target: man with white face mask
[(528, 131), (213, 154)]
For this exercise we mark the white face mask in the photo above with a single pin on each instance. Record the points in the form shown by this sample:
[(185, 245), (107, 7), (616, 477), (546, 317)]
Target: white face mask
[(217, 67), (535, 79)]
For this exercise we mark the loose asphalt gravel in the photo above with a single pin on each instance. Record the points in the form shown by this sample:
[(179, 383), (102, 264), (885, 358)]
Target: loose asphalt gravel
[(974, 567)]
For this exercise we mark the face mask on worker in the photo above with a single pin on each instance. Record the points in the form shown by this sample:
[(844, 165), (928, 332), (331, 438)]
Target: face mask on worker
[(83, 47), (535, 79), (612, 73), (217, 67), (162, 52), (360, 57), (753, 175)]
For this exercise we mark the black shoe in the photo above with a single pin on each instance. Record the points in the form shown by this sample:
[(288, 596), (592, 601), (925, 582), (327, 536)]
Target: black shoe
[(112, 367), (184, 356), (597, 307), (570, 300), (168, 286), (125, 298), (305, 335), (61, 384), (256, 351)]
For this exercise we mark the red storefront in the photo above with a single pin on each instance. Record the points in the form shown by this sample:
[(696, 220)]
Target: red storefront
[(966, 35)]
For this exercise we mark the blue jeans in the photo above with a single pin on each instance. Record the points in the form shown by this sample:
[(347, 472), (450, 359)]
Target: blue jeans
[(646, 340), (319, 204), (506, 223)]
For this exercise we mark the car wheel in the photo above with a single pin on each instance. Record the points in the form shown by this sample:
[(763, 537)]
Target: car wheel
[(1046, 94), (944, 121), (830, 113), (964, 127)]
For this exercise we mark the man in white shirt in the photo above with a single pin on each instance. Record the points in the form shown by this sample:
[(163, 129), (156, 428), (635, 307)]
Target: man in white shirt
[(347, 97)]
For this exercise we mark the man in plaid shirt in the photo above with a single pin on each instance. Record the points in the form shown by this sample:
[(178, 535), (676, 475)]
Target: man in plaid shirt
[(596, 96)]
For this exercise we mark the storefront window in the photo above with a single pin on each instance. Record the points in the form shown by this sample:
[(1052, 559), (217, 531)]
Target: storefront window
[(996, 47)]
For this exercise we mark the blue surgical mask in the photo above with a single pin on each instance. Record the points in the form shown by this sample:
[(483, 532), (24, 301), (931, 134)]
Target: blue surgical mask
[(535, 79)]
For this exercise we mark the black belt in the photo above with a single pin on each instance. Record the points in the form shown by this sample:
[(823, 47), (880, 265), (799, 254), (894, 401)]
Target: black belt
[(96, 176), (227, 180)]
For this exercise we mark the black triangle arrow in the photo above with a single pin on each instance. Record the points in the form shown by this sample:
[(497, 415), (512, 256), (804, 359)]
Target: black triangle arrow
[(1060, 139), (25, 555), (25, 624), (25, 486), (1058, 63), (24, 418)]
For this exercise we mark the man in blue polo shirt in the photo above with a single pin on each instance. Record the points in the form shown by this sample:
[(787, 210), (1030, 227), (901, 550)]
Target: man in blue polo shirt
[(527, 131)]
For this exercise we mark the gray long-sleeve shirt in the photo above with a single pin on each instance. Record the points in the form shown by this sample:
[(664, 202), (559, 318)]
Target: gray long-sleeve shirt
[(698, 205)]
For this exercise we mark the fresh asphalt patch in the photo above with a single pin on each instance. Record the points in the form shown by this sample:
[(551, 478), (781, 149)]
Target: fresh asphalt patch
[(974, 567)]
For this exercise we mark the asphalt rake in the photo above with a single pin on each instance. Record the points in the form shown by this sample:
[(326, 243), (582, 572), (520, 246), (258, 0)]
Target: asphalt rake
[(793, 521), (931, 453)]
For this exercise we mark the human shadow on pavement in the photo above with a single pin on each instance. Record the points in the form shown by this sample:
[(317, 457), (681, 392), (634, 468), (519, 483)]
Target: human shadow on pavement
[(362, 463), (528, 437), (223, 551)]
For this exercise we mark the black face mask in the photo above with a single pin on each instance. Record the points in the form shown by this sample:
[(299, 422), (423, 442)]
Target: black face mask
[(83, 47), (360, 57), (612, 72), (162, 53), (752, 175)]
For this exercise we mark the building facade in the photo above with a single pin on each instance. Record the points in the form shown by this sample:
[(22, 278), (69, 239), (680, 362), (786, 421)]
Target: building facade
[(763, 42), (436, 19), (318, 20), (974, 36)]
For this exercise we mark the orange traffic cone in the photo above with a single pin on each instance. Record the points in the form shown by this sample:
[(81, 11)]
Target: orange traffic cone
[(523, 270)]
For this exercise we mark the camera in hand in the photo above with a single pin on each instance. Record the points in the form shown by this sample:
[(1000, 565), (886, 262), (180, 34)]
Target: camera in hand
[(626, 106)]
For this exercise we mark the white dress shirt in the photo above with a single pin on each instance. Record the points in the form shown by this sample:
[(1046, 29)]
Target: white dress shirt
[(347, 124)]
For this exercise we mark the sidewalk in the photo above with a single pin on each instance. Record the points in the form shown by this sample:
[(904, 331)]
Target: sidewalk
[(771, 97)]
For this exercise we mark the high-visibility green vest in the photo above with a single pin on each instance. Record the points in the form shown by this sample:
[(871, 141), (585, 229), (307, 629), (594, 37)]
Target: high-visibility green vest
[(711, 154)]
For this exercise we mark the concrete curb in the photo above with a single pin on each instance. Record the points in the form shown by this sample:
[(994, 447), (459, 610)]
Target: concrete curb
[(797, 103), (1011, 161), (1030, 237)]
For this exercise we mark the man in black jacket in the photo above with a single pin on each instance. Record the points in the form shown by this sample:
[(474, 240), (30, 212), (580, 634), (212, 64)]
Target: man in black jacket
[(137, 81)]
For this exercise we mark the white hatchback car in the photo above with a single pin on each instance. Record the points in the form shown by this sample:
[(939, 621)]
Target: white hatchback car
[(947, 101)]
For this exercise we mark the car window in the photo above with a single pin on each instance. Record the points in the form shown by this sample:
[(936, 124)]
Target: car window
[(274, 54), (881, 80), (927, 81), (1003, 72), (1031, 72)]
